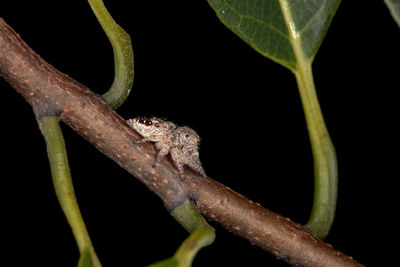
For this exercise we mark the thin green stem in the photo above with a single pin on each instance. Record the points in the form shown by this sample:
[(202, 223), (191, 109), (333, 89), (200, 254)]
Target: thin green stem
[(201, 235), (394, 8), (325, 164), (62, 181), (123, 55), (187, 216)]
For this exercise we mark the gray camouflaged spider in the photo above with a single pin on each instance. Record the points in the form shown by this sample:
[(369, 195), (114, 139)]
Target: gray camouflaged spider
[(182, 143)]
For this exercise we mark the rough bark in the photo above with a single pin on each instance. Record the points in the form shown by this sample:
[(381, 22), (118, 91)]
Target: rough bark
[(51, 92)]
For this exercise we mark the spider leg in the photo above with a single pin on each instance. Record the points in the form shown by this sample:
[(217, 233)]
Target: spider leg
[(151, 138), (195, 164), (164, 150), (177, 159)]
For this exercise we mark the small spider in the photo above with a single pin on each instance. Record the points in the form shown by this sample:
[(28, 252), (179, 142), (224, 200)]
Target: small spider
[(180, 142)]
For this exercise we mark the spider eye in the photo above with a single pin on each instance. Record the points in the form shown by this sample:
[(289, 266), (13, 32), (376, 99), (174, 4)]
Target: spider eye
[(187, 135), (157, 124), (145, 122)]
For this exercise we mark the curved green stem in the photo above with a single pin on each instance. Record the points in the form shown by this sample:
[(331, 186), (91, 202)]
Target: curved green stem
[(325, 165), (394, 8), (187, 216), (62, 181), (201, 235), (123, 55)]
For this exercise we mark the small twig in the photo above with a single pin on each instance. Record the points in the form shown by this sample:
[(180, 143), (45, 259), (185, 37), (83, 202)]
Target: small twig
[(57, 154), (201, 235), (123, 55), (52, 93)]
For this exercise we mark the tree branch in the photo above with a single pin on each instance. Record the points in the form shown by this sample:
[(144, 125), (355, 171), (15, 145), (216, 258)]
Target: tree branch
[(51, 92)]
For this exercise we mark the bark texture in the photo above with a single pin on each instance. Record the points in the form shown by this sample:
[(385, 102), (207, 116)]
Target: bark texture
[(51, 92)]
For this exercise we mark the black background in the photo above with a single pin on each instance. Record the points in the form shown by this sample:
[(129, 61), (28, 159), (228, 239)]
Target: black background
[(192, 70)]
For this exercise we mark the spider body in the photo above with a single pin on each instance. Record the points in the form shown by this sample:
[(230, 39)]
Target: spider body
[(182, 143)]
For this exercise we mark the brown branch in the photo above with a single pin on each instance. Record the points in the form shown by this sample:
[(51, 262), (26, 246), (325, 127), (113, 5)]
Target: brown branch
[(51, 92)]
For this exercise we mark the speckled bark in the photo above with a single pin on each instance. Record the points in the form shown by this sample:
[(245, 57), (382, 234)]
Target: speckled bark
[(51, 92)]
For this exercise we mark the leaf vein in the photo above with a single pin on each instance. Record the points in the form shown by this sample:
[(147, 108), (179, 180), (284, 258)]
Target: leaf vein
[(254, 19), (314, 16)]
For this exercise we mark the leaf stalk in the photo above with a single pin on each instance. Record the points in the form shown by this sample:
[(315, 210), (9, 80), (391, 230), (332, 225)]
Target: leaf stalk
[(123, 56), (201, 235), (62, 181), (325, 163)]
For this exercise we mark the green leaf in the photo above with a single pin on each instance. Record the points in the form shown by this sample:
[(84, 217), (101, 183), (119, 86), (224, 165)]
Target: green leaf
[(394, 8), (290, 33), (285, 31), (85, 260)]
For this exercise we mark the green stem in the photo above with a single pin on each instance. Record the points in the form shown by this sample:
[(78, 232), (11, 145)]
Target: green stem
[(202, 234), (123, 55), (201, 237), (325, 165), (187, 216), (62, 181)]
